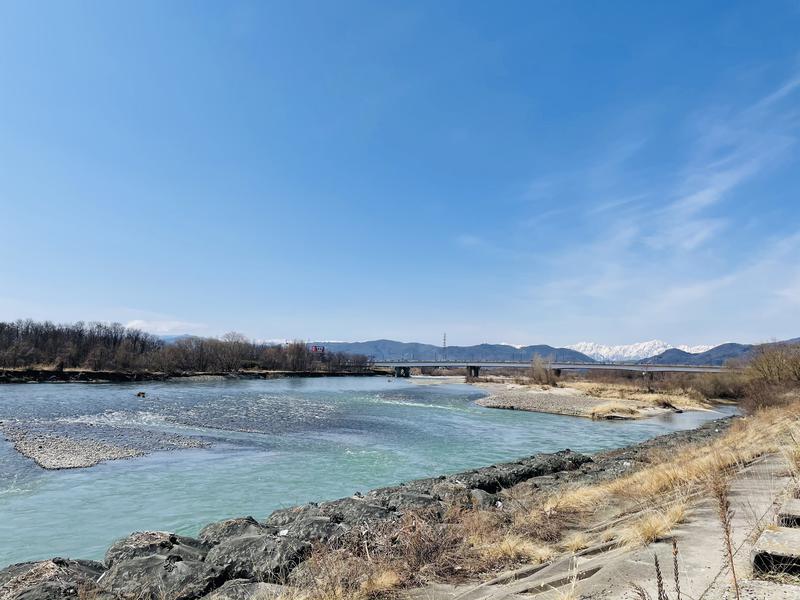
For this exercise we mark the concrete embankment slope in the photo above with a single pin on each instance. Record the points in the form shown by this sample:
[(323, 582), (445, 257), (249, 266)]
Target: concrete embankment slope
[(765, 542)]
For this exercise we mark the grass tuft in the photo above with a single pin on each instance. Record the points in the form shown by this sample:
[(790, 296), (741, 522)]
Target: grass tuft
[(653, 526)]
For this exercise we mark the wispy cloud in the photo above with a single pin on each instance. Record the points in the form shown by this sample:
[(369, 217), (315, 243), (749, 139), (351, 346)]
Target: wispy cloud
[(616, 204), (730, 149), (661, 254)]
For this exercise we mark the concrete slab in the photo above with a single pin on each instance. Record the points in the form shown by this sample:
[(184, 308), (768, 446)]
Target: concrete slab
[(761, 590), (703, 571), (789, 514), (777, 551)]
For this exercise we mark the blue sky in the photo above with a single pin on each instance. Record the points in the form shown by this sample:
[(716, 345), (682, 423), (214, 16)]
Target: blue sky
[(528, 172)]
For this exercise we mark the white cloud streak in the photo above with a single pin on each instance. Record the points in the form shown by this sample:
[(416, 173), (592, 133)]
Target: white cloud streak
[(651, 263)]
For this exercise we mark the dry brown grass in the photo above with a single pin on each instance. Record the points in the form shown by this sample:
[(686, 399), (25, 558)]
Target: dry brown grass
[(340, 575), (791, 453), (636, 394), (576, 541), (513, 547), (654, 525), (614, 409), (576, 499), (380, 582)]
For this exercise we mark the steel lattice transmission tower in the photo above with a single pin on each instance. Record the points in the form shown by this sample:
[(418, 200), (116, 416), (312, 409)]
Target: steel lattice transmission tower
[(444, 346)]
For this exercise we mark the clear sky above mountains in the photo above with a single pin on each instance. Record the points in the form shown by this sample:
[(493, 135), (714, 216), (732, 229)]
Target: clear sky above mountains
[(523, 172)]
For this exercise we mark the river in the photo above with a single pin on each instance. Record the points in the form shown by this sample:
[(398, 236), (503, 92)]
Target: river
[(274, 443)]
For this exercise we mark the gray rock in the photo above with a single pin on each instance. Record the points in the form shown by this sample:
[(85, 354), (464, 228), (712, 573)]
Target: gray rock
[(261, 557), (399, 499), (155, 576), (52, 590), (242, 589), (482, 500), (354, 511), (283, 516), (217, 532), (49, 579), (493, 479), (146, 543), (450, 491), (315, 529)]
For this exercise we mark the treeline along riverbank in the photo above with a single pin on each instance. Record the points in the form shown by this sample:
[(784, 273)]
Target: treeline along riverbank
[(27, 375), (45, 351)]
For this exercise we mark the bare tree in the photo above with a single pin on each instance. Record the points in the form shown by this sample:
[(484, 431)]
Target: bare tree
[(101, 346)]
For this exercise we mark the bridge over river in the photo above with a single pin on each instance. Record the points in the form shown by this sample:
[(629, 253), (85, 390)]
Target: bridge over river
[(402, 368)]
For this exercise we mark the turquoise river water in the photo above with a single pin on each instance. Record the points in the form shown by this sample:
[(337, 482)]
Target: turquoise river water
[(274, 443)]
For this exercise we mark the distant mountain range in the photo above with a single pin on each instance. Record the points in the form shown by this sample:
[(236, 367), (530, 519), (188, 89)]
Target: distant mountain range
[(652, 352), (718, 355), (632, 352), (392, 350), (662, 353)]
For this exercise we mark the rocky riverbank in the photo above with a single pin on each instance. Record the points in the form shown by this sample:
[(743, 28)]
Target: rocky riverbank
[(243, 558)]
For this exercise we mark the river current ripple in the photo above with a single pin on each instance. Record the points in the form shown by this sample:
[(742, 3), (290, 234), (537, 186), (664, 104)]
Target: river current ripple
[(273, 443)]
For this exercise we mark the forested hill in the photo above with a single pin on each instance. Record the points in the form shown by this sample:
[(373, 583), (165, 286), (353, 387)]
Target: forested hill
[(393, 350), (718, 355), (114, 347), (380, 350)]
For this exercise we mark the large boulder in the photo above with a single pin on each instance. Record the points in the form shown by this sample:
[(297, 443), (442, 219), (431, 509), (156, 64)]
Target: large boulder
[(155, 576), (243, 589), (354, 511), (482, 500), (146, 543), (265, 558), (493, 479), (407, 500), (49, 579), (315, 529), (284, 516), (217, 532), (404, 498), (451, 491)]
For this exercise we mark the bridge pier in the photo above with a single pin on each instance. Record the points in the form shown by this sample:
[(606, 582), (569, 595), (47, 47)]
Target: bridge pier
[(402, 371), (473, 371)]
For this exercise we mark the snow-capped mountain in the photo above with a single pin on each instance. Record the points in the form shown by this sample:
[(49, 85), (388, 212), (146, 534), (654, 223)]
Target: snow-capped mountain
[(630, 352)]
